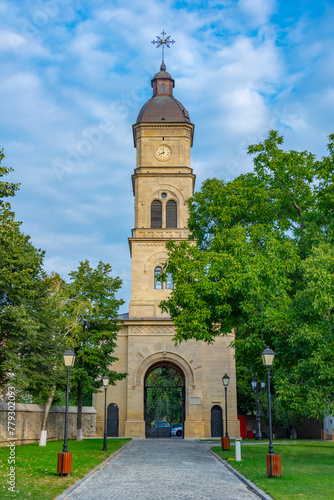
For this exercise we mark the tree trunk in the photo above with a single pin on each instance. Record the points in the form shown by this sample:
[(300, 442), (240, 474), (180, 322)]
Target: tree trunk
[(79, 414), (42, 441)]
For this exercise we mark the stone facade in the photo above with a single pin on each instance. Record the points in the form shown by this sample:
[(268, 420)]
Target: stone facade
[(29, 417), (163, 137)]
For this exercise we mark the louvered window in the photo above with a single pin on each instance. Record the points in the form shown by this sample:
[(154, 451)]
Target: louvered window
[(156, 214), (157, 281), (171, 214)]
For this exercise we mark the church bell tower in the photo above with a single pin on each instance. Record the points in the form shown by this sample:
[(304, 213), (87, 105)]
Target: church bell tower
[(162, 182)]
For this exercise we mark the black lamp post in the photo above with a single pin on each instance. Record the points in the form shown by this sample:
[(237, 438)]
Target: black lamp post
[(268, 359), (255, 385), (105, 381), (226, 439), (65, 458), (226, 381), (69, 358)]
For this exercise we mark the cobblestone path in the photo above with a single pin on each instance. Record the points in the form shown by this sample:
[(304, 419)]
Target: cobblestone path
[(159, 469)]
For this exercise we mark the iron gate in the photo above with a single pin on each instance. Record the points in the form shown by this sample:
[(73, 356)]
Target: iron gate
[(160, 415)]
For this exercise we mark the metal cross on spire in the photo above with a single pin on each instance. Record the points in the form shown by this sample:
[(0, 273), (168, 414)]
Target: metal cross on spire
[(162, 42)]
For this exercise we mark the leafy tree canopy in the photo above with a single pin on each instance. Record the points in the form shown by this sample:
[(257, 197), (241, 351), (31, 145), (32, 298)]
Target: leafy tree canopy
[(92, 302), (260, 260), (41, 316), (22, 286)]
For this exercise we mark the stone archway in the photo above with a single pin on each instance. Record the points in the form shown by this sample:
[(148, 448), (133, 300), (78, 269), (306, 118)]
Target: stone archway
[(166, 357), (164, 400)]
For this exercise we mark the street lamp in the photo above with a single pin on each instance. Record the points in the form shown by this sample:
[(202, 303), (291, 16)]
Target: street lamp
[(226, 439), (105, 381), (65, 458), (273, 460), (255, 385)]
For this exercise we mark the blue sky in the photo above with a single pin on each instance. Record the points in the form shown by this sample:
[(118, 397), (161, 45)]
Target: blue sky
[(74, 75)]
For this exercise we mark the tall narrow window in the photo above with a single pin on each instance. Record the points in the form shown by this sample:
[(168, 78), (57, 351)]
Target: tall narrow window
[(156, 214), (162, 88), (171, 214), (157, 281), (169, 282)]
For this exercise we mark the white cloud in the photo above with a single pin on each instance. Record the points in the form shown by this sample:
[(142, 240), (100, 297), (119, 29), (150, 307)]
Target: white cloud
[(73, 72), (257, 12)]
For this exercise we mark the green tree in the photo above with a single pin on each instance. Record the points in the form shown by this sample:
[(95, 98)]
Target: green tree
[(41, 316), (31, 323), (22, 288), (43, 370), (93, 305), (260, 260)]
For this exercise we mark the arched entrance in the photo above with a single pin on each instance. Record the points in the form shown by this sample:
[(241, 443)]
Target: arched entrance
[(217, 429), (112, 420), (164, 401)]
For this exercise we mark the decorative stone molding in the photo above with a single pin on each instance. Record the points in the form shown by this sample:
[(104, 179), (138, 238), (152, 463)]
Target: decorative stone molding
[(166, 356), (169, 234), (152, 330), (146, 244), (158, 258), (159, 188), (147, 130)]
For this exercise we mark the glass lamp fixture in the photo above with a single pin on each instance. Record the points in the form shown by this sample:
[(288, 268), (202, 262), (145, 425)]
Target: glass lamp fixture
[(268, 357), (69, 358)]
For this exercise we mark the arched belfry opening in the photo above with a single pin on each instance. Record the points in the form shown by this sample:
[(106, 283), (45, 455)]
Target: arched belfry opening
[(164, 401)]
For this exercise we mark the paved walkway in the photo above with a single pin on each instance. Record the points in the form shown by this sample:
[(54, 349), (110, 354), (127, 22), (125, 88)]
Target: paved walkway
[(158, 469)]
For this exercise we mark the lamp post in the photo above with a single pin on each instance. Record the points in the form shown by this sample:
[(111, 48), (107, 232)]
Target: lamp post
[(105, 381), (65, 458), (273, 460), (255, 385), (226, 439)]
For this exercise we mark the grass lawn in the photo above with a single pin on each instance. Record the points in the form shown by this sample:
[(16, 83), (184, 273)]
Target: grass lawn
[(307, 469), (36, 466)]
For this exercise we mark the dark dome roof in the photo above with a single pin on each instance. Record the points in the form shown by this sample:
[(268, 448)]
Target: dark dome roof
[(162, 74), (163, 108)]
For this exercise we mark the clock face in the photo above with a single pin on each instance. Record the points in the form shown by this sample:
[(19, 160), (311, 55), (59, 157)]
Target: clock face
[(163, 152)]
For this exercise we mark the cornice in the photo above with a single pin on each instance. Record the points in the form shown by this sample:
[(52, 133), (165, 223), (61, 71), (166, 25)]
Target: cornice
[(142, 129)]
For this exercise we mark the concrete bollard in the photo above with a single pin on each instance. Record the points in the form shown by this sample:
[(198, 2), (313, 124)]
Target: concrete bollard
[(238, 450)]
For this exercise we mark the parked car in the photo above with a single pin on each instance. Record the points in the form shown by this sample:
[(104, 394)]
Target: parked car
[(176, 430), (162, 424)]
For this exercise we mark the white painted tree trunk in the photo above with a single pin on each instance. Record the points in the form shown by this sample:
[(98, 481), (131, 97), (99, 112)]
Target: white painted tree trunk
[(79, 414), (42, 441)]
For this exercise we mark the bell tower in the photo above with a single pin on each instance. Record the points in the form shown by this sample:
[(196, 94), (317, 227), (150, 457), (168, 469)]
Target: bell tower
[(162, 182)]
